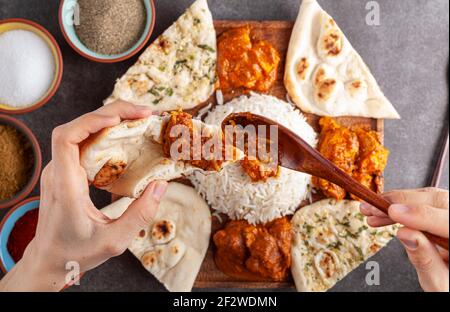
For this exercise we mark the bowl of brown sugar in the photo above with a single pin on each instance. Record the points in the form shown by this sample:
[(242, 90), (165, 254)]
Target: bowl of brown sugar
[(20, 161), (107, 31)]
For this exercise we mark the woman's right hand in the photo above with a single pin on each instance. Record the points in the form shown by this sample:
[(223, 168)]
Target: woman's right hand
[(419, 210)]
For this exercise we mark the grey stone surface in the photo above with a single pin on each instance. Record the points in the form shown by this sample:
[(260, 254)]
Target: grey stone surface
[(408, 54)]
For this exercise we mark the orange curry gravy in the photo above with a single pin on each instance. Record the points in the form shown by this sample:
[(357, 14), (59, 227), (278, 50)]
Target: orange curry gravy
[(258, 167), (244, 62), (180, 118), (261, 252), (258, 170), (356, 151)]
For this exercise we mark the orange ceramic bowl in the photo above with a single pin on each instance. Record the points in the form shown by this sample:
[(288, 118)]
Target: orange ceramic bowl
[(23, 24), (28, 188)]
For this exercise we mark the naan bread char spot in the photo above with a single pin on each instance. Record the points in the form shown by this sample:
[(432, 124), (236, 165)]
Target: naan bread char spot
[(303, 68), (331, 238), (178, 70), (318, 43), (175, 259), (163, 231), (326, 87), (170, 254), (330, 45), (327, 264), (357, 90)]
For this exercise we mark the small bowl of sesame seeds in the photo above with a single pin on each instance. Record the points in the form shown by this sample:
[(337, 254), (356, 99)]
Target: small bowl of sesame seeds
[(107, 31)]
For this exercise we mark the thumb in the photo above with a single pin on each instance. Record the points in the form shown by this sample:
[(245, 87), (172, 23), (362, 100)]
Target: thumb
[(140, 213), (424, 256)]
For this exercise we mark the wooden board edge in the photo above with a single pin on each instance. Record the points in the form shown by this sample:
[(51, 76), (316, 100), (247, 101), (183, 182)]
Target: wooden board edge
[(244, 285)]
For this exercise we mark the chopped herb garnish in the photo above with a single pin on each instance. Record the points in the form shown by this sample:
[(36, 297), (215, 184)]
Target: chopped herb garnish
[(359, 250), (157, 101), (360, 216), (345, 223), (169, 91), (162, 68), (362, 228), (206, 47), (334, 245), (154, 91), (180, 63), (196, 21), (350, 234), (308, 228)]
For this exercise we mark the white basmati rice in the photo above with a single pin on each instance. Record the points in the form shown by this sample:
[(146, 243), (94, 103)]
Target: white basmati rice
[(232, 192), (219, 97), (203, 111)]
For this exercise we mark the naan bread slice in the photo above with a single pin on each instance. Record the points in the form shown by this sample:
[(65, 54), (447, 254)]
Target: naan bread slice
[(178, 70), (325, 75), (172, 247), (332, 238), (125, 158)]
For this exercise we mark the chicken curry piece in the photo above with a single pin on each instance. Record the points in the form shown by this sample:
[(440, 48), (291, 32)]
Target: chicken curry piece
[(357, 152), (258, 163), (259, 171), (261, 252), (195, 158), (244, 62), (260, 167)]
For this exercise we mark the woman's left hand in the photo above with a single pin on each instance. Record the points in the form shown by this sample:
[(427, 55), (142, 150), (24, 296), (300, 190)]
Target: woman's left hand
[(70, 228)]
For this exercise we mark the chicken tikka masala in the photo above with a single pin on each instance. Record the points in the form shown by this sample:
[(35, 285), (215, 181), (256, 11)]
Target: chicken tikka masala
[(356, 151), (254, 252), (246, 62)]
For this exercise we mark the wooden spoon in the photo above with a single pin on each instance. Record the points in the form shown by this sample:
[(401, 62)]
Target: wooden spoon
[(294, 153)]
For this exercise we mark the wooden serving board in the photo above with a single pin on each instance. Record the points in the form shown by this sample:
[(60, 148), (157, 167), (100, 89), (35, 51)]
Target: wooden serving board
[(278, 34)]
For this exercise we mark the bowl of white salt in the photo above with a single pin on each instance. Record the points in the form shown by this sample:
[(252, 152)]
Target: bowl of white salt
[(30, 66)]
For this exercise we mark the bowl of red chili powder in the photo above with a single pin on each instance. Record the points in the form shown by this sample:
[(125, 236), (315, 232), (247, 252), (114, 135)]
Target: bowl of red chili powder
[(17, 229)]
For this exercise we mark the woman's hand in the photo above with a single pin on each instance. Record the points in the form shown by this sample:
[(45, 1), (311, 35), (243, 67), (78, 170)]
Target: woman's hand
[(419, 210), (70, 227)]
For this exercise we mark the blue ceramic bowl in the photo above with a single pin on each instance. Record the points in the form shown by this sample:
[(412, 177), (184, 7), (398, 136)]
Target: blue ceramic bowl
[(6, 226), (66, 13)]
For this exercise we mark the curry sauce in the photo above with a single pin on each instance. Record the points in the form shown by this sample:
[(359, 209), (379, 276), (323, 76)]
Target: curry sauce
[(252, 252), (356, 151), (180, 118), (245, 62)]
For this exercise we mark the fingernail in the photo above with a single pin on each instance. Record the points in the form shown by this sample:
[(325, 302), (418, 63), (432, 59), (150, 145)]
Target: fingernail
[(159, 189), (400, 208), (409, 244), (365, 205)]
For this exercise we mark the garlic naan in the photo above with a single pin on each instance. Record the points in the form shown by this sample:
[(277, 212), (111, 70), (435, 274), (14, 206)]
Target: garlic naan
[(178, 70), (325, 75), (332, 238)]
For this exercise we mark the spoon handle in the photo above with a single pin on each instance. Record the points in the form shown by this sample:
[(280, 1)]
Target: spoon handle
[(337, 176)]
